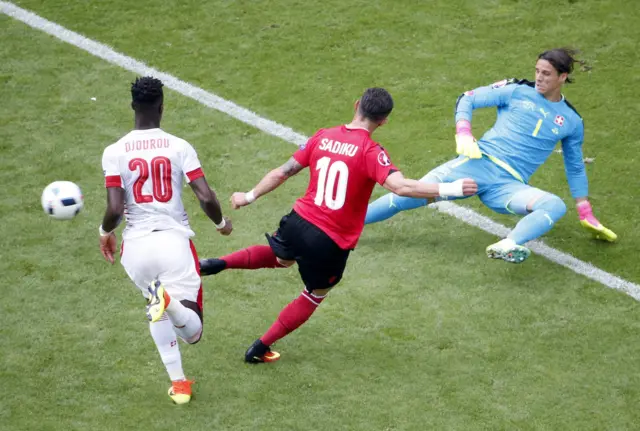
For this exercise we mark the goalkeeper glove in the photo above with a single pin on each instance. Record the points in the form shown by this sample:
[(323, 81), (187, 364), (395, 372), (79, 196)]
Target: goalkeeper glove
[(591, 223), (466, 144)]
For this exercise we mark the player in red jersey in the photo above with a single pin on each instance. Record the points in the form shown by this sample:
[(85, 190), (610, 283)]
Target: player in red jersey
[(327, 221), (144, 172)]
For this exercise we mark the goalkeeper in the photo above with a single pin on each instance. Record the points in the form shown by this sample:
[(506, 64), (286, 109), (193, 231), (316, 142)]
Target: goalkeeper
[(531, 118)]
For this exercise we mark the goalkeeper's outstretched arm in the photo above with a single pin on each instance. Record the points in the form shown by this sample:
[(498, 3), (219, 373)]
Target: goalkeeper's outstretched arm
[(579, 186), (497, 94)]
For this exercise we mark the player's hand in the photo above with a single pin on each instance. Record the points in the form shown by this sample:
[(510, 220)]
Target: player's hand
[(458, 188), (108, 247), (467, 146), (228, 227), (238, 199), (591, 223), (469, 187)]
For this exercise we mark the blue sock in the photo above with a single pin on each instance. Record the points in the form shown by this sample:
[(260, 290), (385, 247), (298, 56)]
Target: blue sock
[(389, 205), (546, 212)]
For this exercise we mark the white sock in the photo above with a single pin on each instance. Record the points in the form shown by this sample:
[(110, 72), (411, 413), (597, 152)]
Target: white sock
[(186, 322), (507, 243), (165, 338)]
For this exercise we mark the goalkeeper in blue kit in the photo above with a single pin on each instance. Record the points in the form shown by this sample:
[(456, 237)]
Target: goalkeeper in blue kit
[(531, 118)]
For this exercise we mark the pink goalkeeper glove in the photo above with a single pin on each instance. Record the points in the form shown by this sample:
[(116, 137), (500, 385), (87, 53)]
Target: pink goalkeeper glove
[(591, 223)]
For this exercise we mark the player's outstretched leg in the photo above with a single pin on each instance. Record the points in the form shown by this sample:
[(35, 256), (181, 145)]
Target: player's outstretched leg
[(546, 210), (389, 205), (254, 257), (290, 318)]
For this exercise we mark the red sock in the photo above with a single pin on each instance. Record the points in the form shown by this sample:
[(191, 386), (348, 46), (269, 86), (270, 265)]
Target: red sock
[(254, 257), (291, 317)]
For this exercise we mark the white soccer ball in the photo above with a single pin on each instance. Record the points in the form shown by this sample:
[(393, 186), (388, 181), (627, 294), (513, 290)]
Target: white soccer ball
[(62, 200)]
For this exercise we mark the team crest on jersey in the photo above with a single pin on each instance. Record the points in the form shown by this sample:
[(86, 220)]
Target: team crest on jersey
[(383, 159), (528, 105), (559, 120)]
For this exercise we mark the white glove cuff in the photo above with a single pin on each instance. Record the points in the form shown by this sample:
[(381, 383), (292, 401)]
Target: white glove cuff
[(104, 232), (222, 224), (453, 189)]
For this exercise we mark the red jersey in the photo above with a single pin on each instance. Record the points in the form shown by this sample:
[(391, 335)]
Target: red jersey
[(344, 164)]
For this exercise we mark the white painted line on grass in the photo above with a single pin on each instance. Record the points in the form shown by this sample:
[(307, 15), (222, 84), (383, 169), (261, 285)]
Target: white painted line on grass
[(106, 53), (471, 217), (271, 127)]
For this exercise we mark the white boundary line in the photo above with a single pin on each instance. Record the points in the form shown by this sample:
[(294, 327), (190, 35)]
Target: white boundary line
[(251, 118)]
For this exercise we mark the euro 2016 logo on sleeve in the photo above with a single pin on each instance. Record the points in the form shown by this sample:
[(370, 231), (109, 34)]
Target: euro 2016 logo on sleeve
[(499, 84), (383, 159)]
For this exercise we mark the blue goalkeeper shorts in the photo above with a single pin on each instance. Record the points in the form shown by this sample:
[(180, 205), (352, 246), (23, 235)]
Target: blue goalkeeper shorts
[(497, 188)]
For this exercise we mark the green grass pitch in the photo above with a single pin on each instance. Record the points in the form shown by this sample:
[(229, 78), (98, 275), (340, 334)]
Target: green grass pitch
[(423, 332)]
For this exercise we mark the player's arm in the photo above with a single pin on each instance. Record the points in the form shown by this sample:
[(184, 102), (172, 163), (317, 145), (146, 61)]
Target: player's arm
[(115, 209), (278, 176), (401, 186), (381, 170), (210, 204), (110, 221), (497, 94), (579, 185), (115, 204), (268, 183), (193, 174)]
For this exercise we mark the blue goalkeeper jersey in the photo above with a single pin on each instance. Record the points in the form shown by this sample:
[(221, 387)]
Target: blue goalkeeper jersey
[(526, 130)]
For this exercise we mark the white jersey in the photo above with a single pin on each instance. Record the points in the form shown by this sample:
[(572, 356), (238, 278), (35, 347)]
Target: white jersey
[(150, 166)]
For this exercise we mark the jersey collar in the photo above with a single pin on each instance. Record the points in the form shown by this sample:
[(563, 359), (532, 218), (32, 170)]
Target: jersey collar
[(157, 129), (355, 129)]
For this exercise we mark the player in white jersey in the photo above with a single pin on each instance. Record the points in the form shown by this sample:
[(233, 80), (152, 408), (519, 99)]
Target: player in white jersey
[(144, 172)]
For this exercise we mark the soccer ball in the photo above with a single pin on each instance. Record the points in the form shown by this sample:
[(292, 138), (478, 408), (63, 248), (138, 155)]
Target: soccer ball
[(62, 200)]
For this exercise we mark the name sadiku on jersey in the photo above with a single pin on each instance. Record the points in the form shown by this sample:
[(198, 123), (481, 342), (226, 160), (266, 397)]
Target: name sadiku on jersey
[(338, 147)]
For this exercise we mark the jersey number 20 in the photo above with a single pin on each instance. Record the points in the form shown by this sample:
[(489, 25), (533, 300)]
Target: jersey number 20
[(327, 183), (160, 178)]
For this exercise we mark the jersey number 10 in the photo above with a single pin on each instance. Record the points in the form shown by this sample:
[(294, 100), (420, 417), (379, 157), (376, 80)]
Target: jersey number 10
[(160, 178), (327, 183)]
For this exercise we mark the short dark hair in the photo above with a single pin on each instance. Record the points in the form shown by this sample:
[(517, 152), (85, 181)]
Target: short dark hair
[(376, 104), (562, 60), (146, 93)]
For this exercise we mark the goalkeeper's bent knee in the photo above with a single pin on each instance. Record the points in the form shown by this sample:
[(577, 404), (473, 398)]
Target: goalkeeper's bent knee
[(552, 204)]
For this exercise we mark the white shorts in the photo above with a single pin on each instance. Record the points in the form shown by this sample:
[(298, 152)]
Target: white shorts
[(168, 256)]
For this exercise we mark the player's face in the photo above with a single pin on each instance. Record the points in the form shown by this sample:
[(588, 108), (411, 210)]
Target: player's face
[(548, 80)]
